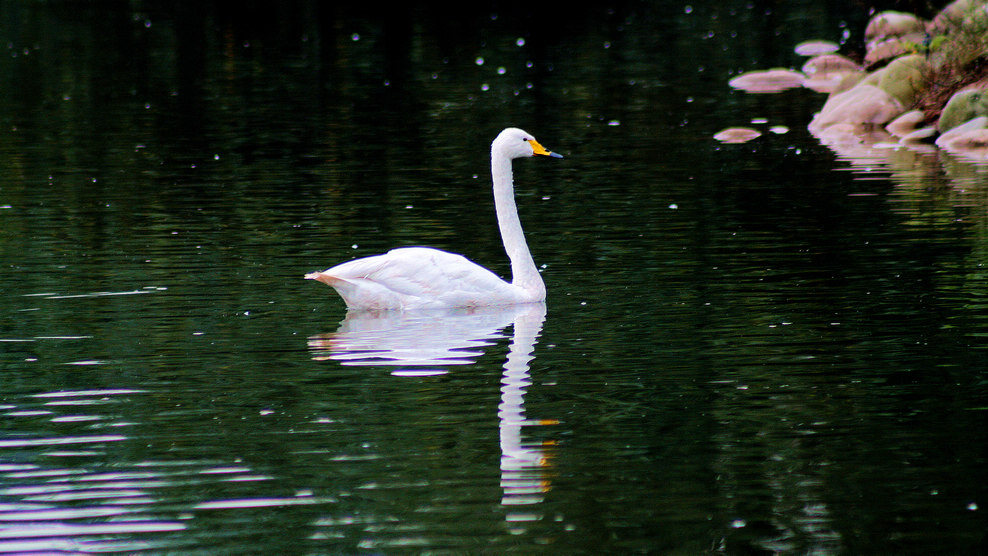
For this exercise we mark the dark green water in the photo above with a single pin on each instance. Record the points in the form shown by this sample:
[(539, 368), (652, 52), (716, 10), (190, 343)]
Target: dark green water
[(765, 348)]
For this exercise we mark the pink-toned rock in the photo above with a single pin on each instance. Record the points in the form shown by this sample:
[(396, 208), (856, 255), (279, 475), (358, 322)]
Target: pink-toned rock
[(887, 49), (969, 144), (905, 123), (825, 73), (863, 104), (893, 24), (815, 48), (830, 63), (767, 81), (967, 133), (921, 134), (737, 135)]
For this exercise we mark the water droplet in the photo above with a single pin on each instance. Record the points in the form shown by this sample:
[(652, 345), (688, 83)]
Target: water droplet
[(520, 42), (147, 23), (972, 506), (674, 206), (485, 87), (479, 61), (614, 123), (355, 37), (216, 157), (738, 523), (688, 9), (501, 70)]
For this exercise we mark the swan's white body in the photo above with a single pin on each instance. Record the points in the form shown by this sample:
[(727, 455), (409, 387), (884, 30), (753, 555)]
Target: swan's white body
[(426, 278)]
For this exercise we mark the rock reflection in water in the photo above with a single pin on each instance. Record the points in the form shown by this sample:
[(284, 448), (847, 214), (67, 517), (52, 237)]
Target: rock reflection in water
[(417, 341)]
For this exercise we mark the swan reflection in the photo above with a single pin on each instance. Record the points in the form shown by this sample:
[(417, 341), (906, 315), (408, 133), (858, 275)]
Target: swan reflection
[(419, 340)]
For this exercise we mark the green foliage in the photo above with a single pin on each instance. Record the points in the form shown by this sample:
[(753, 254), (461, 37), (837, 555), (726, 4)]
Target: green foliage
[(964, 40)]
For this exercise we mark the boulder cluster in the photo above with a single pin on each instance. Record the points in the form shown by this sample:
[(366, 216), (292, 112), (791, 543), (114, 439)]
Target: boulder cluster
[(919, 81)]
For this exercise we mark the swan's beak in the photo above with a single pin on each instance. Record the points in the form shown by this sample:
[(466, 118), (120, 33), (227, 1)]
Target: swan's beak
[(540, 150)]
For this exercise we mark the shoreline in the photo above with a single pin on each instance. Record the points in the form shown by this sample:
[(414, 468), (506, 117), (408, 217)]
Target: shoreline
[(921, 81)]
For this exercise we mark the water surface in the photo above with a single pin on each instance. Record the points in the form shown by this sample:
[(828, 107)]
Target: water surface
[(773, 347)]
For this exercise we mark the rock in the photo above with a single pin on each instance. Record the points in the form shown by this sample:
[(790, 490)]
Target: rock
[(921, 134), (893, 24), (886, 49), (830, 63), (849, 81), (905, 77), (970, 144), (978, 123), (825, 73), (815, 48), (863, 104), (767, 81), (892, 34), (853, 141), (963, 106), (905, 123), (737, 135)]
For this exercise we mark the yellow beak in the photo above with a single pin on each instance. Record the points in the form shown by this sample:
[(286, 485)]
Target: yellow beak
[(540, 150)]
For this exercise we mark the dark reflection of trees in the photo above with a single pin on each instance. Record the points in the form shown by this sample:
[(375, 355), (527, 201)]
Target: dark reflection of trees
[(744, 437)]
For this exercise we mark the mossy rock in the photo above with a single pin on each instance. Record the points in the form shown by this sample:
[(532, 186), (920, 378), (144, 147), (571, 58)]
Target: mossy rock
[(963, 106), (874, 78), (905, 78)]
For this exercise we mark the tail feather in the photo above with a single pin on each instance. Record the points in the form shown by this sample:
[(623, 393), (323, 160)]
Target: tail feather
[(327, 279)]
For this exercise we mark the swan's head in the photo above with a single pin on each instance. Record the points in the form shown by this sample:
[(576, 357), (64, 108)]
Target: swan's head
[(517, 143)]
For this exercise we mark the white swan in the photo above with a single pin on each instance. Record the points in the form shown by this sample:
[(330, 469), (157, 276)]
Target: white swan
[(425, 278)]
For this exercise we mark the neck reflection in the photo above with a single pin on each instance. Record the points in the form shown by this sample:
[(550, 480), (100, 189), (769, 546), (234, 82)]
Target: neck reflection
[(423, 343)]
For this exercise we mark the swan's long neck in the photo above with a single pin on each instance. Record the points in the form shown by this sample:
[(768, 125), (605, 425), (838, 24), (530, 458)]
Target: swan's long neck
[(523, 270)]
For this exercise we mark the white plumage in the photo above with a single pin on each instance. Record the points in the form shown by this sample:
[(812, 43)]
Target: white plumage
[(426, 278)]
